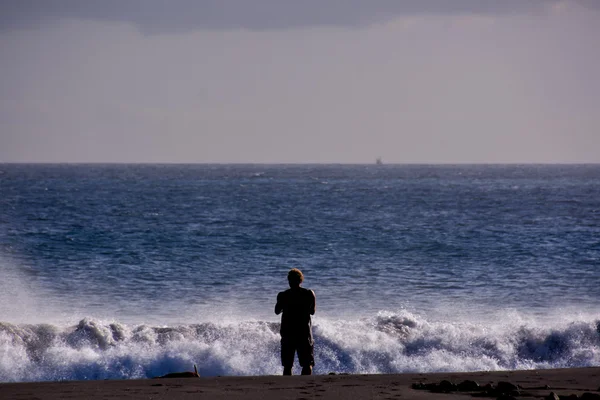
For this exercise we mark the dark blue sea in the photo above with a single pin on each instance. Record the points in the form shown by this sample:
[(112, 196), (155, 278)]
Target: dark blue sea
[(131, 271)]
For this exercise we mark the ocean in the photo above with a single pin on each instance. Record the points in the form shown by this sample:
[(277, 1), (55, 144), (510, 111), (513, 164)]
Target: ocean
[(133, 271)]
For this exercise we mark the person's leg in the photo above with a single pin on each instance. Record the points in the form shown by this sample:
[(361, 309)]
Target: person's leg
[(306, 356), (287, 355)]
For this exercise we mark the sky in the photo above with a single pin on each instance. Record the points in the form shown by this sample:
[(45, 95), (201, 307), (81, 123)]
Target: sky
[(312, 81)]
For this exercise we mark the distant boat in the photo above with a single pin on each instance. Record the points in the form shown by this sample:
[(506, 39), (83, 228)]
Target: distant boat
[(378, 161)]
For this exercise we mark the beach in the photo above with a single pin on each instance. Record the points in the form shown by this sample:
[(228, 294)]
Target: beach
[(531, 383)]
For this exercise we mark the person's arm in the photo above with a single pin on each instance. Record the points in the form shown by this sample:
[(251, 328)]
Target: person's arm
[(313, 307), (279, 305)]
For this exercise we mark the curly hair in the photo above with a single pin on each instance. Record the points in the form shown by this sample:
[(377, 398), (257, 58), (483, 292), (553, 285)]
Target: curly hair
[(295, 276)]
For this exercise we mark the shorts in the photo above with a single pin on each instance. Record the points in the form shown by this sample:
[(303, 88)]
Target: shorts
[(304, 347)]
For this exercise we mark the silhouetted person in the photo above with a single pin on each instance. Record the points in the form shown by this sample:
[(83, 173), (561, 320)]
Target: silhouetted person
[(297, 305)]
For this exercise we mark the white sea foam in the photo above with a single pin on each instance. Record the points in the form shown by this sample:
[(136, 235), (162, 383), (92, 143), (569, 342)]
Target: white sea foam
[(384, 343)]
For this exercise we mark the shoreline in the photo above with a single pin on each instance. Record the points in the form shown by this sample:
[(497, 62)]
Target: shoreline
[(533, 384)]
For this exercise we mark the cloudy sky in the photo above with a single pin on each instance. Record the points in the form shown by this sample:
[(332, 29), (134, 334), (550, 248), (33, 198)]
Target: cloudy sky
[(320, 81)]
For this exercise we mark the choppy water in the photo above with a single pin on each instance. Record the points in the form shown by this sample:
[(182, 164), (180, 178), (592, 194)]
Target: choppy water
[(121, 271)]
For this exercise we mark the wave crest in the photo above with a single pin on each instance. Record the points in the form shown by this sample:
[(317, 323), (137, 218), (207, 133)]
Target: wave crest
[(385, 343)]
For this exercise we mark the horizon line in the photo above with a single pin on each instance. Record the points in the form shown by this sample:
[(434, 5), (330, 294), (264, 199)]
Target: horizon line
[(383, 165)]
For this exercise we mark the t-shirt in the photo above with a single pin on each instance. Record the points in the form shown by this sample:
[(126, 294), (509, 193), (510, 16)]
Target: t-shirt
[(297, 304)]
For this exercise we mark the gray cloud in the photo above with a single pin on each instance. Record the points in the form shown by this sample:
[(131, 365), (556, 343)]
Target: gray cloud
[(165, 16), (518, 85)]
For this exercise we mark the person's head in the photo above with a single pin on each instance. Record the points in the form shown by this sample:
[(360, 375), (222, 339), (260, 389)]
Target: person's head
[(295, 277)]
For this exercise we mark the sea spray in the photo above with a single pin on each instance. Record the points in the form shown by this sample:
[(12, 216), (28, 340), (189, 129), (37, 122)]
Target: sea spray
[(385, 343)]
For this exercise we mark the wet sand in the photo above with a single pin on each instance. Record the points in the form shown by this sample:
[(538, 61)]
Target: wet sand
[(533, 384)]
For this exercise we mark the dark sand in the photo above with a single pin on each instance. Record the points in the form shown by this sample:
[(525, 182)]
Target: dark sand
[(561, 381)]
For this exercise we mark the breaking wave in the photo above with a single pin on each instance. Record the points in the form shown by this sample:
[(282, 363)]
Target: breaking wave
[(384, 343)]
